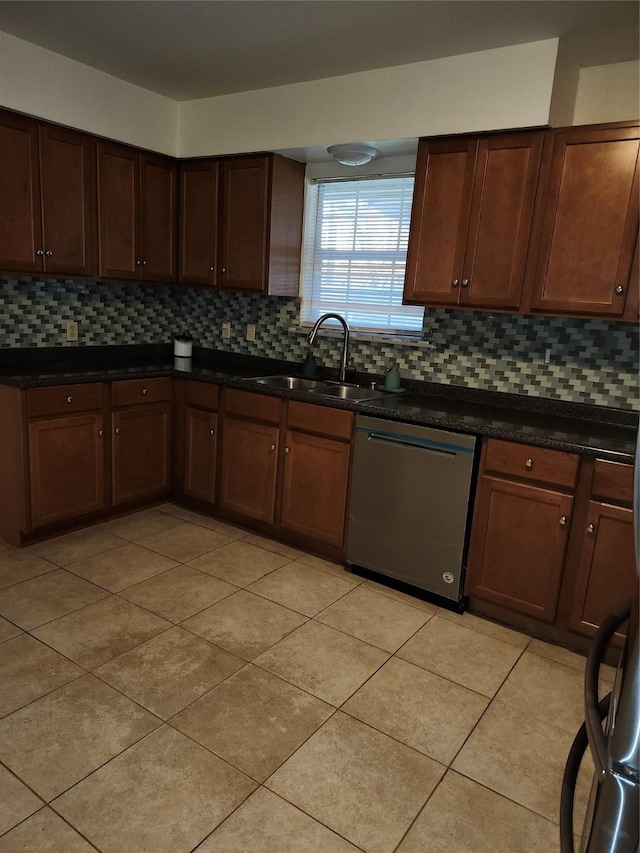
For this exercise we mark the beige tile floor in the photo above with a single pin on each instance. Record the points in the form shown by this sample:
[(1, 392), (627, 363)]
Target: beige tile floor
[(171, 683)]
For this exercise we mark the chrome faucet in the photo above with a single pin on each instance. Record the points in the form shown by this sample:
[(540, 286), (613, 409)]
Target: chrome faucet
[(345, 346)]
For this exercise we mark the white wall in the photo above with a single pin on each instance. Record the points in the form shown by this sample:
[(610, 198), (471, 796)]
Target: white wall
[(44, 84), (492, 89), (608, 93)]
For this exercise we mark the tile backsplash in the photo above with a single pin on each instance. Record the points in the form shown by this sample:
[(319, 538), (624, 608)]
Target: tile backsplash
[(590, 361)]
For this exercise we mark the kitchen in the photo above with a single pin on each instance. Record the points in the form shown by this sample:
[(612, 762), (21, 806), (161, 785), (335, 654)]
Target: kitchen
[(592, 361)]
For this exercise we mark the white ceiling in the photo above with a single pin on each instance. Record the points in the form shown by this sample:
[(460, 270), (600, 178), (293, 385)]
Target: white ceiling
[(193, 49)]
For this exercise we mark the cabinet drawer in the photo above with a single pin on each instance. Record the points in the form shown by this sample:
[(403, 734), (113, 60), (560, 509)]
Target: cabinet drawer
[(132, 392), (532, 463), (256, 406), (320, 419), (613, 481), (202, 394), (63, 399)]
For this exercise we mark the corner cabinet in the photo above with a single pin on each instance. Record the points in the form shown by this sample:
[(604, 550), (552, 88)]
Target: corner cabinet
[(589, 222), (471, 220), (137, 214), (521, 523), (47, 191), (241, 223)]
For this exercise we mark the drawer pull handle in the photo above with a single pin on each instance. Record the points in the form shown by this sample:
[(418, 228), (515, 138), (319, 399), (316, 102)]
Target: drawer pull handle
[(69, 399), (145, 391), (528, 463), (455, 282), (563, 520), (591, 528), (117, 430)]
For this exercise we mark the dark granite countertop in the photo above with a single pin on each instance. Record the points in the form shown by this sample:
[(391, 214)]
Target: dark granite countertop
[(593, 430)]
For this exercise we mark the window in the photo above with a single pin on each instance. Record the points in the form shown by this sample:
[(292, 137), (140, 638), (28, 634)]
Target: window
[(355, 253)]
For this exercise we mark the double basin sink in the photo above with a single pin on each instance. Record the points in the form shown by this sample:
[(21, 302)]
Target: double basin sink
[(321, 387)]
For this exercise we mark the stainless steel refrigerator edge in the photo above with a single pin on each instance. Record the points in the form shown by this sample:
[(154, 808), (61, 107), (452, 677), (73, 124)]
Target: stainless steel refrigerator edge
[(409, 506)]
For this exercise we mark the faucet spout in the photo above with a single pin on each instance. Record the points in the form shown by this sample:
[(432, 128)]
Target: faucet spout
[(345, 345)]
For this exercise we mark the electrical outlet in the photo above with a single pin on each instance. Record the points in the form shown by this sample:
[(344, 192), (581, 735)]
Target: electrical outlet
[(251, 331), (72, 330), (226, 331)]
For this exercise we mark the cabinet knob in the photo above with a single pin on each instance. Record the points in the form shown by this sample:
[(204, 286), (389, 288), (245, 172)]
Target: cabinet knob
[(465, 282), (39, 252), (591, 528), (455, 282), (563, 520), (69, 399), (619, 290), (144, 263), (528, 463), (48, 253), (212, 269), (101, 433), (138, 263), (286, 450), (272, 447), (224, 269), (117, 430), (145, 391), (212, 432)]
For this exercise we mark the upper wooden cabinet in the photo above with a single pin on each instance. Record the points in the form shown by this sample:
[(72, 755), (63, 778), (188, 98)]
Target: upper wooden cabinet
[(471, 220), (589, 221), (137, 219), (241, 223), (46, 185)]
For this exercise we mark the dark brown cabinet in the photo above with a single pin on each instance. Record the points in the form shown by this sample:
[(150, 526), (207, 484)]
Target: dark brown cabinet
[(137, 219), (46, 185), (66, 453), (141, 439), (606, 570), (241, 223), (249, 455), (316, 472), (589, 221), (200, 454), (471, 220), (521, 522)]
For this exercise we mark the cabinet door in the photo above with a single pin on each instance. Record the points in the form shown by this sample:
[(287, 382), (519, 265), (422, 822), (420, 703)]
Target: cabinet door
[(200, 454), (158, 221), (20, 221), (118, 211), (248, 468), (504, 189), (66, 468), (199, 222), (141, 460), (590, 222), (607, 575), (66, 164), (314, 495), (439, 220), (245, 223), (518, 545)]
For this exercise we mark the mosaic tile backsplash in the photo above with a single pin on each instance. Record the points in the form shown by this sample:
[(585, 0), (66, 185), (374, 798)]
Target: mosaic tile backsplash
[(591, 361)]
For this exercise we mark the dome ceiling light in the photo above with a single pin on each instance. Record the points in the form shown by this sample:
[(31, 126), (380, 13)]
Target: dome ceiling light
[(353, 153)]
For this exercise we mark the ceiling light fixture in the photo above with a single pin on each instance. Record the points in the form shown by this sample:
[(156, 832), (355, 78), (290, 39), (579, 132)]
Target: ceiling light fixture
[(353, 153)]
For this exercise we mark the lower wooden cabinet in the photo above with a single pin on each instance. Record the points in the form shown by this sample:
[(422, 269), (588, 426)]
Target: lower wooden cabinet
[(66, 468), (141, 454), (249, 468), (200, 456), (519, 542)]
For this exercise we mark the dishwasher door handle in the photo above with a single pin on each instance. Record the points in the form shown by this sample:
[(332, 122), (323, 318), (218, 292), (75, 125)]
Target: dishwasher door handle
[(408, 442)]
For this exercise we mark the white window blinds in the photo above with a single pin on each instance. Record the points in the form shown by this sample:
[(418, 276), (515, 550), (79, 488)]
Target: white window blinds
[(355, 253)]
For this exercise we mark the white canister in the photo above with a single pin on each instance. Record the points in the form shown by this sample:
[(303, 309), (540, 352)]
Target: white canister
[(182, 347)]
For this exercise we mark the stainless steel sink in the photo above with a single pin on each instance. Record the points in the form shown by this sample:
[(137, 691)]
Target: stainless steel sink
[(290, 383), (349, 392)]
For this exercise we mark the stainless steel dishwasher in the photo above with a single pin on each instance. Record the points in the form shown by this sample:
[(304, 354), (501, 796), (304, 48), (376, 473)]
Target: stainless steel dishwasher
[(410, 496)]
